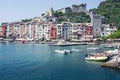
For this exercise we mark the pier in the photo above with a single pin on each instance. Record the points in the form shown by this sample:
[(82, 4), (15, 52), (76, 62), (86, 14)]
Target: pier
[(113, 63)]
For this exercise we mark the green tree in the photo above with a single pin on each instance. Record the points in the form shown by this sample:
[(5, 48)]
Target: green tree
[(114, 35), (26, 20), (80, 17)]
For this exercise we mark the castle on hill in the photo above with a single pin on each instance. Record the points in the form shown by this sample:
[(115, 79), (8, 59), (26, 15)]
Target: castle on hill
[(74, 8)]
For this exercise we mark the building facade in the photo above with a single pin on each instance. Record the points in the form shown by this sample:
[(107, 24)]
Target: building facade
[(96, 21), (66, 31), (0, 31), (4, 29), (53, 31), (82, 30), (107, 29)]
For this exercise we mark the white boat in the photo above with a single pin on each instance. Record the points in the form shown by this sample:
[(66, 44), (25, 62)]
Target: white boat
[(109, 46), (115, 51), (112, 53), (92, 48), (60, 51), (67, 51), (95, 58), (63, 51)]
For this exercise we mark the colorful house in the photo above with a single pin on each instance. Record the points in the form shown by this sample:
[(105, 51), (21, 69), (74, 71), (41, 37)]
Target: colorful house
[(66, 31), (53, 31)]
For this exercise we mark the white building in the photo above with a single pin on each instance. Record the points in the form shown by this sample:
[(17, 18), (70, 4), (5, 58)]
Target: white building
[(64, 31), (87, 38), (107, 29), (76, 31), (44, 31), (59, 31), (16, 30)]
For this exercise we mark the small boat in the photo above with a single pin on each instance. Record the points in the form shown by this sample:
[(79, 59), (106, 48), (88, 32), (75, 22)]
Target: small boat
[(112, 53), (63, 51), (109, 46), (92, 48), (94, 57), (60, 51), (67, 51), (115, 51)]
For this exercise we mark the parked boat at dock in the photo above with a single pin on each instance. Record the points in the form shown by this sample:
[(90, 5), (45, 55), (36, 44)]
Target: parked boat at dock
[(96, 57), (109, 46), (115, 51), (112, 53)]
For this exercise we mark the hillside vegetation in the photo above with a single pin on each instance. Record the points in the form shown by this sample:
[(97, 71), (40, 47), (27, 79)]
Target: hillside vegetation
[(72, 17), (111, 10)]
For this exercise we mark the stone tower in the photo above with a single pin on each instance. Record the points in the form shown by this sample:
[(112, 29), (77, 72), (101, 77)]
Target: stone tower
[(96, 21), (51, 13)]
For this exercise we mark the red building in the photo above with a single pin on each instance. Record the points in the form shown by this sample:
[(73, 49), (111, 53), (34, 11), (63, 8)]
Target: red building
[(53, 31), (89, 30), (4, 31), (86, 29)]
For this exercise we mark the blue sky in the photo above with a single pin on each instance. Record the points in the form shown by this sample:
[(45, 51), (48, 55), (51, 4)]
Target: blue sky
[(15, 10)]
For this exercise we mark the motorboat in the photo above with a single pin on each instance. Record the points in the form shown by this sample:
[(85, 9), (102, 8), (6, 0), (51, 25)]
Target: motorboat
[(92, 48), (96, 57), (115, 51), (112, 53), (63, 51), (67, 51), (60, 51), (109, 46)]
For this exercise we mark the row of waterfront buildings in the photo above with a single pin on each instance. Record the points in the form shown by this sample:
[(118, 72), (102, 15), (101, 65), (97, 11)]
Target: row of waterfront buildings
[(47, 28), (50, 31)]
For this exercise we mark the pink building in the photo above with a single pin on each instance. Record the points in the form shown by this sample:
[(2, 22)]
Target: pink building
[(53, 31)]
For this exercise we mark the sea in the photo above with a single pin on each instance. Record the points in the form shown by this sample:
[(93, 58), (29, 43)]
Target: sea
[(41, 62)]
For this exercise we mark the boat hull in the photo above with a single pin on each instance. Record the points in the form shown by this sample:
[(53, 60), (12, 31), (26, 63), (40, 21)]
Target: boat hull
[(96, 58)]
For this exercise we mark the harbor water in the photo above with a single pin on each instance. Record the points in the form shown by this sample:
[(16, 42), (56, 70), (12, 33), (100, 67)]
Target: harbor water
[(40, 62)]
